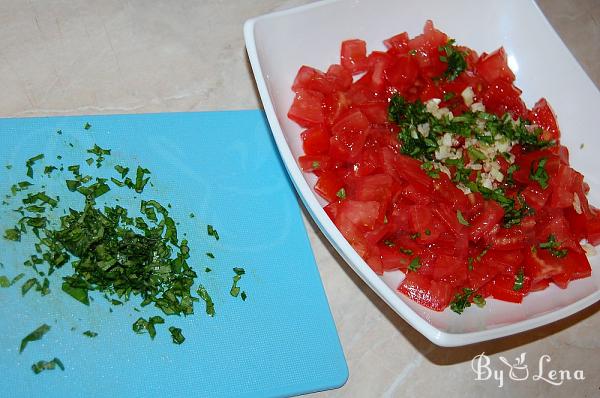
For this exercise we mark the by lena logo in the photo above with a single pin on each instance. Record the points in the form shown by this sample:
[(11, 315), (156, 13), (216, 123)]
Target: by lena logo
[(520, 371)]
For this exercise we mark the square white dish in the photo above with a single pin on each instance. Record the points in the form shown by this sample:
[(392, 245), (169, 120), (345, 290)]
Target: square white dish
[(279, 43)]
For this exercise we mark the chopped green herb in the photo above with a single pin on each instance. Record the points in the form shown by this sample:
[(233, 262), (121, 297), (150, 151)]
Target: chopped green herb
[(210, 306), (244, 296), (475, 154), (449, 95), (235, 290), (4, 281), (539, 174), (406, 251), (415, 264), (210, 255), (341, 193), (461, 301), (518, 280), (212, 232), (28, 285), (78, 293), (12, 234), (40, 366), (389, 243), (36, 335), (427, 231), (147, 326), (176, 335), (207, 269), (192, 215), (87, 126), (122, 170), (455, 59), (140, 181), (90, 334), (30, 162), (479, 300), (49, 169), (316, 164), (461, 218), (554, 247)]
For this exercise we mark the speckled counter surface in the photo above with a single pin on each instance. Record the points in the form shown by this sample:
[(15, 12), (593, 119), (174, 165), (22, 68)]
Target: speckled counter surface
[(99, 57)]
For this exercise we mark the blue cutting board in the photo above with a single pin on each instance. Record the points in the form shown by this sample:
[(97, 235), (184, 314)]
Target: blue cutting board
[(222, 167)]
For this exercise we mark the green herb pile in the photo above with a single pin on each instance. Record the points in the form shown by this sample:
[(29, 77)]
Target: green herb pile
[(105, 248), (486, 128)]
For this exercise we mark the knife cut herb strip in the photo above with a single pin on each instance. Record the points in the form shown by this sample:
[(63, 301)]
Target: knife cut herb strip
[(210, 306), (142, 326), (36, 335), (40, 366), (90, 334), (30, 162), (235, 290), (176, 335), (212, 232)]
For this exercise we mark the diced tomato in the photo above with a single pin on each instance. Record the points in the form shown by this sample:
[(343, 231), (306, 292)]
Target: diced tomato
[(328, 185), (376, 112), (403, 73), (494, 66), (348, 136), (315, 141), (503, 288), (335, 106), (312, 79), (422, 222), (307, 108), (435, 295), (340, 76), (310, 163), (354, 55), (544, 116), (398, 44), (426, 51), (501, 97), (482, 224)]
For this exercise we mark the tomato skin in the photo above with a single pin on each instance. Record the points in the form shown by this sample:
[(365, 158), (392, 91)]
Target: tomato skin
[(353, 55), (307, 108), (432, 294)]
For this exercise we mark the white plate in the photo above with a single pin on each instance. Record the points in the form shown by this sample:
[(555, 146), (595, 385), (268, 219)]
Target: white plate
[(279, 43)]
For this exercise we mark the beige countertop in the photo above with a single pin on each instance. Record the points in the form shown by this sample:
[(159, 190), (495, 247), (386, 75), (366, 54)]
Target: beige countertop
[(136, 56)]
